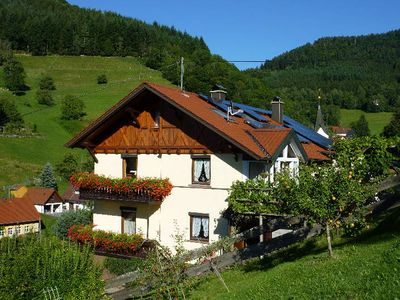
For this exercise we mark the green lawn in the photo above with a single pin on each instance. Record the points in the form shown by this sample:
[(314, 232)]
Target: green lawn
[(23, 158), (376, 121), (47, 224), (364, 268)]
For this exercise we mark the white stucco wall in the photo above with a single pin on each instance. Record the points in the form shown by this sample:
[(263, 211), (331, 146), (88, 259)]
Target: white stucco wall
[(162, 221), (108, 165)]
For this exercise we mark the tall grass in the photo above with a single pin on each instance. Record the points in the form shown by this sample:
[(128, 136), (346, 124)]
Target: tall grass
[(32, 263)]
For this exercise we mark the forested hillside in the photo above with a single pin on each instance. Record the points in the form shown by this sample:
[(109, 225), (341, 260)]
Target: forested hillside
[(351, 72), (43, 27), (345, 72)]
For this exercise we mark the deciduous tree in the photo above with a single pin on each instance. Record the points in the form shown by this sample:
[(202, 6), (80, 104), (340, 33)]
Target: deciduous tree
[(14, 75), (72, 108)]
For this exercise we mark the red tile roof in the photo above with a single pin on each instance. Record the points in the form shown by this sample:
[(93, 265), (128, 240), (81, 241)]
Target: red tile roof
[(315, 152), (271, 139), (41, 196), (70, 195), (17, 210), (236, 131)]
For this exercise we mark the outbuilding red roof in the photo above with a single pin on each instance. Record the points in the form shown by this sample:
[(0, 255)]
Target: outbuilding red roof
[(17, 210), (41, 196), (70, 195)]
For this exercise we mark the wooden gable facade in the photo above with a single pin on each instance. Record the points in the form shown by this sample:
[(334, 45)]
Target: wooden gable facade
[(150, 125)]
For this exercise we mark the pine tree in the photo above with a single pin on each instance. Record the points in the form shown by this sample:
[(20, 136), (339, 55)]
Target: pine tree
[(47, 179), (361, 127), (393, 128)]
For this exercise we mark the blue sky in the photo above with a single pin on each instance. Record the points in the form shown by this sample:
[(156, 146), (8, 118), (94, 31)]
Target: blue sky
[(257, 29)]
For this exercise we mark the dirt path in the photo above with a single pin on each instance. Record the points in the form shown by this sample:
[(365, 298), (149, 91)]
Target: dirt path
[(99, 260)]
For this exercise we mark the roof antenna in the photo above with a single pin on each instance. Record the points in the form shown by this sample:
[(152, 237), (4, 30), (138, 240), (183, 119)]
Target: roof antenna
[(182, 73), (232, 112)]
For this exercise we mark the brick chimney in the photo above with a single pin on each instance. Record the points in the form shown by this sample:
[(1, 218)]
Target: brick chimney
[(277, 109), (218, 93)]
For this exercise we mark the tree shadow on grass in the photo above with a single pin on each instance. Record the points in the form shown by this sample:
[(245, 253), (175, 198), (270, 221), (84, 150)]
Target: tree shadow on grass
[(387, 227), (291, 253), (22, 90)]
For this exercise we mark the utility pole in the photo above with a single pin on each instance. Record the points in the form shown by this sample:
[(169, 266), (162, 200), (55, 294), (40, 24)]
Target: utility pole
[(182, 72)]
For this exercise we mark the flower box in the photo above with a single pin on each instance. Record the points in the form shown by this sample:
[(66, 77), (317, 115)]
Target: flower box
[(93, 187), (105, 242)]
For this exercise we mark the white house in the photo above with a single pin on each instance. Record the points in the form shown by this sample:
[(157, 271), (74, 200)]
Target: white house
[(202, 144)]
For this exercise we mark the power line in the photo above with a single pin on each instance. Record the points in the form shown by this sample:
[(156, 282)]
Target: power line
[(248, 61)]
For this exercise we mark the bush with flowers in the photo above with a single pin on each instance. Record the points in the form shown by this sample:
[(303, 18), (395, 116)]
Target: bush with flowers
[(154, 188), (104, 241)]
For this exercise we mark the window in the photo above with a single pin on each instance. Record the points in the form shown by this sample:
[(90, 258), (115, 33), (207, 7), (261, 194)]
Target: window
[(26, 230), (129, 164), (1, 232), (10, 231), (18, 230), (256, 169), (201, 169), (199, 227), (128, 220), (156, 119), (47, 208)]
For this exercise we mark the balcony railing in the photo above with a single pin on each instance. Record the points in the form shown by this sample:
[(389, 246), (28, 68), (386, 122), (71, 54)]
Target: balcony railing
[(91, 194)]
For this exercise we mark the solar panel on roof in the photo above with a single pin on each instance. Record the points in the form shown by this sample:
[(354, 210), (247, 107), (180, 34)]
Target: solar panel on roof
[(303, 132), (221, 106), (255, 124), (308, 133), (302, 139)]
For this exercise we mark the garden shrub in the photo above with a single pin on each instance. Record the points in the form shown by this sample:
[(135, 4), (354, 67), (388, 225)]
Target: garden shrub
[(70, 218), (31, 263), (44, 97), (102, 79), (46, 83), (72, 108)]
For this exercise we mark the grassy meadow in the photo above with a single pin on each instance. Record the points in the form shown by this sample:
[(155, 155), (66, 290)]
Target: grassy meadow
[(23, 158), (376, 121), (367, 267)]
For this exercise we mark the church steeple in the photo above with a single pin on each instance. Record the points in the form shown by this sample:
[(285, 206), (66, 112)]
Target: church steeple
[(319, 126), (319, 122)]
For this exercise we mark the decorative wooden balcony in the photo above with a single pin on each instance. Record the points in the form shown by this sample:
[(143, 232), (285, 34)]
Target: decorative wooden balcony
[(144, 190)]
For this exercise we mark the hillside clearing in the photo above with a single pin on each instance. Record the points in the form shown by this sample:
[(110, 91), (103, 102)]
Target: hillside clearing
[(74, 75), (376, 121)]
